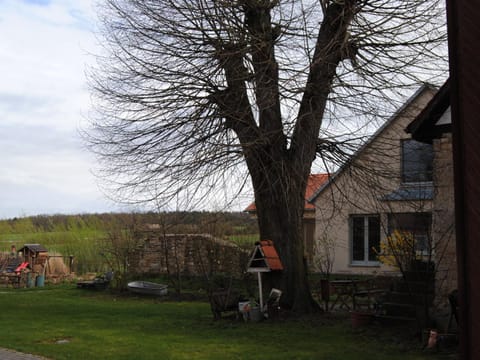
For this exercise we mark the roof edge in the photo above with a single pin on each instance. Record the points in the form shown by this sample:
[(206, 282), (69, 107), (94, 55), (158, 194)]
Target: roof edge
[(424, 87)]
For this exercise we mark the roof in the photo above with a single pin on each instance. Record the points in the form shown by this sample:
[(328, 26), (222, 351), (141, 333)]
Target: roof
[(411, 193), (313, 183), (34, 248), (264, 258), (377, 133), (425, 127)]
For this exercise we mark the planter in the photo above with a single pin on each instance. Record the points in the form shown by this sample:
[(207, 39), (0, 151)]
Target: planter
[(360, 318), (325, 292), (325, 289), (256, 314)]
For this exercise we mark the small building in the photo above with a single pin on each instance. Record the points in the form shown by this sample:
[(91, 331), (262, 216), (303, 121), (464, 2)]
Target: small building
[(36, 255)]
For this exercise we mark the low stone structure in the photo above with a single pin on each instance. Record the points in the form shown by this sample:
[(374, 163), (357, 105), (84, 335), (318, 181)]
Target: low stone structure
[(189, 254)]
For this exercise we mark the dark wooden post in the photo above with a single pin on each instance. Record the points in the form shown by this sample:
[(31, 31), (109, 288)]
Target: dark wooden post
[(464, 55)]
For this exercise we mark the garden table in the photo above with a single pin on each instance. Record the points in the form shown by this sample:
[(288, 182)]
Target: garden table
[(344, 290)]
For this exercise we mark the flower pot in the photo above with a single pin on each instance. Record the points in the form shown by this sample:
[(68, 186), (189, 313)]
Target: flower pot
[(325, 289), (325, 292), (360, 319)]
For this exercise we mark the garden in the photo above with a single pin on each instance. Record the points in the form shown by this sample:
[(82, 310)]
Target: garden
[(58, 320), (63, 322)]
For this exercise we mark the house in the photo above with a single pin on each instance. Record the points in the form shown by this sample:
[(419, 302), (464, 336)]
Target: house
[(387, 185), (315, 181)]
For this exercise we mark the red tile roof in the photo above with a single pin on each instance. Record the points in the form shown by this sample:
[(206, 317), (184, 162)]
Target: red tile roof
[(315, 181), (271, 255), (265, 258)]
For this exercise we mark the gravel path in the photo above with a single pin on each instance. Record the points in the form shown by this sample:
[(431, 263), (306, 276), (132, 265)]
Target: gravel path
[(6, 354)]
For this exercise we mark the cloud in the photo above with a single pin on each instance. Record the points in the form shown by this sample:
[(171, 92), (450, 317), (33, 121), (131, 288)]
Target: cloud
[(43, 98)]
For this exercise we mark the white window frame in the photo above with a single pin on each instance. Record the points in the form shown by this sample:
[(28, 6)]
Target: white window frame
[(366, 243)]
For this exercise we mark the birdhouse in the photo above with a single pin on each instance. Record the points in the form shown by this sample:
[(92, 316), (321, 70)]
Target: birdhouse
[(264, 259)]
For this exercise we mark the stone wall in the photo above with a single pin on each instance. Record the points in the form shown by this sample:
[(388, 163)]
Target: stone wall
[(189, 254)]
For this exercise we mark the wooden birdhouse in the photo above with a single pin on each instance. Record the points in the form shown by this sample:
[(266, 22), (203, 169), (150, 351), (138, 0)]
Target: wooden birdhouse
[(264, 259)]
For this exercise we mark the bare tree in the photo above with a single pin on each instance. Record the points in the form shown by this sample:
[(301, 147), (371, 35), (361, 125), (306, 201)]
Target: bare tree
[(190, 91)]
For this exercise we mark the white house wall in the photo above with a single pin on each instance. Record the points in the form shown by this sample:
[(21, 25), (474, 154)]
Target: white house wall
[(358, 189)]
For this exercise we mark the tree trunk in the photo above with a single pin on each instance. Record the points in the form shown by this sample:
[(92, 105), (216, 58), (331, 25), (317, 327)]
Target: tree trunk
[(279, 199)]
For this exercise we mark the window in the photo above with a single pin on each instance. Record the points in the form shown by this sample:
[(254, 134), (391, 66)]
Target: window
[(417, 161), (365, 239), (419, 224)]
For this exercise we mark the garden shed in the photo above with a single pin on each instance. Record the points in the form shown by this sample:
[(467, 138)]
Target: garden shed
[(36, 255)]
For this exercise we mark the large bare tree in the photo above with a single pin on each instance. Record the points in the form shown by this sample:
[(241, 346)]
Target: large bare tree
[(189, 91)]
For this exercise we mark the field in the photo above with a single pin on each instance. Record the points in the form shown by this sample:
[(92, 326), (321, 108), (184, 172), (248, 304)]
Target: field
[(63, 322)]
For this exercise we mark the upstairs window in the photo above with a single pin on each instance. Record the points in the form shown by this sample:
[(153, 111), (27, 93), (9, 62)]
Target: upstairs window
[(417, 161)]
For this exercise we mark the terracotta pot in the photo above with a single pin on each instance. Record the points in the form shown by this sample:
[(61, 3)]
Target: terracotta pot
[(360, 319), (325, 289)]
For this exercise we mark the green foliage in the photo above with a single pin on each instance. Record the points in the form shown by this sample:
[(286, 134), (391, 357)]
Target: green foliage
[(99, 325), (84, 235)]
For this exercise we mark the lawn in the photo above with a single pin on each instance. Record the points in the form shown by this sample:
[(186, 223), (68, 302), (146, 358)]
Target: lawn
[(67, 323)]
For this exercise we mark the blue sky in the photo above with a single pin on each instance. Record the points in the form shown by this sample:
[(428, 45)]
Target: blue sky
[(44, 51)]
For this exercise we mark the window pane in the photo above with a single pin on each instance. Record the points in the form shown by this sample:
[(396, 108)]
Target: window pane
[(418, 224), (358, 239), (373, 238), (417, 161)]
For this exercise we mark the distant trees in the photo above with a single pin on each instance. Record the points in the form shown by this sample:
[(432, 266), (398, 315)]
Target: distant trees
[(195, 96)]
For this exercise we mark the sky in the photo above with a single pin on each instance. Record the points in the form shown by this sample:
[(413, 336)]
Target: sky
[(45, 48)]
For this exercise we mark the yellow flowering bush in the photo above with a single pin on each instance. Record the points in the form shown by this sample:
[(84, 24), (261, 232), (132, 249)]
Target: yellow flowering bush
[(398, 250)]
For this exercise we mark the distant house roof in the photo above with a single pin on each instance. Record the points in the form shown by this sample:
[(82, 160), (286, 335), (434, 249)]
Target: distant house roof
[(264, 258), (429, 124), (314, 182), (33, 248)]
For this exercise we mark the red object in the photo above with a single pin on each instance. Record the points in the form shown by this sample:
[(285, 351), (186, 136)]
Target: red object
[(270, 255), (315, 181), (21, 267)]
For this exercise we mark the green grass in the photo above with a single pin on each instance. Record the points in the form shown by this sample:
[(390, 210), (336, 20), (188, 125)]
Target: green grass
[(244, 240), (107, 326)]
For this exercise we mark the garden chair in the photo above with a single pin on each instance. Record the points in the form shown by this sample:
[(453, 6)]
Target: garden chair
[(224, 301)]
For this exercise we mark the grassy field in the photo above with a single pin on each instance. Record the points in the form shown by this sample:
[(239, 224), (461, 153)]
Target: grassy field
[(67, 323)]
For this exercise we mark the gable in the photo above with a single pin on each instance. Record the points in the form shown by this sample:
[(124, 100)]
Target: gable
[(435, 118), (381, 153)]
